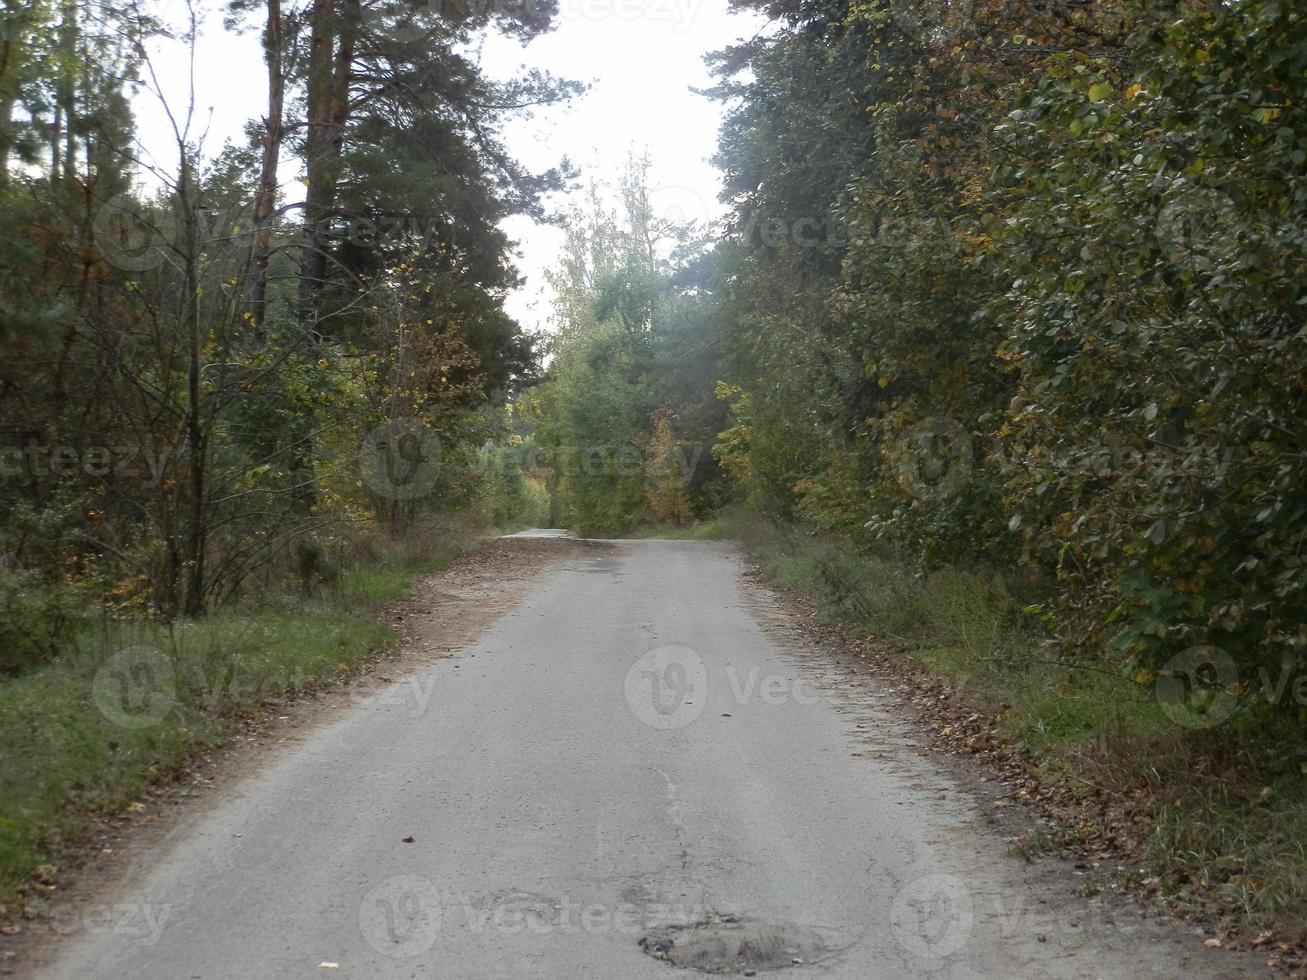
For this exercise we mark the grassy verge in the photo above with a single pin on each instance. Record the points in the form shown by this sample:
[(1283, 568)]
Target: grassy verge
[(1218, 816), (719, 526), (133, 703)]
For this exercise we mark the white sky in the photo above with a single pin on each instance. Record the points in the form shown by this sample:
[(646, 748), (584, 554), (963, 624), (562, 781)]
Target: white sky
[(641, 58)]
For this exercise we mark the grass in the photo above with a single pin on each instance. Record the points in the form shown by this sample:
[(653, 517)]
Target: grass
[(717, 527), (133, 703), (1224, 825)]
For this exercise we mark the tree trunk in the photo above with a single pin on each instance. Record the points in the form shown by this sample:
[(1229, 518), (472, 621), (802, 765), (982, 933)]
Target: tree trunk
[(56, 145), (331, 58), (317, 201), (66, 91), (9, 52), (273, 131), (196, 543)]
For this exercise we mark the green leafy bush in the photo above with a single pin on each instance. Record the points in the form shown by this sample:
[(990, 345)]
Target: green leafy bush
[(37, 620)]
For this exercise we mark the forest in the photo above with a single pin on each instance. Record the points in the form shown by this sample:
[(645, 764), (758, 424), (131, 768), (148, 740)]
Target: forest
[(998, 353)]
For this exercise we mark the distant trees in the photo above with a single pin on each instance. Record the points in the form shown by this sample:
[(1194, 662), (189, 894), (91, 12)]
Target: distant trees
[(627, 412)]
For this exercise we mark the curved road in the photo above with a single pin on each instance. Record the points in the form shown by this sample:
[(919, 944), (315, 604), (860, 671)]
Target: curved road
[(635, 770)]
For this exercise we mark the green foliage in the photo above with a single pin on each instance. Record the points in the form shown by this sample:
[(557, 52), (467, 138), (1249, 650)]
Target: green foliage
[(36, 621), (1156, 322), (590, 419), (664, 490), (624, 420), (1063, 326), (511, 493), (195, 383)]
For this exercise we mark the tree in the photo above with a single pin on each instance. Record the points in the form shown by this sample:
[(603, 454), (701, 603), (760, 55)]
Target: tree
[(627, 410), (178, 327)]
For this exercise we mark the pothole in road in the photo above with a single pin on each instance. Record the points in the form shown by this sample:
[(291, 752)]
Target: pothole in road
[(729, 944)]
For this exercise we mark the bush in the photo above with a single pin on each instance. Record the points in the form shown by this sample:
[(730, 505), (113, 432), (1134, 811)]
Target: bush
[(37, 620)]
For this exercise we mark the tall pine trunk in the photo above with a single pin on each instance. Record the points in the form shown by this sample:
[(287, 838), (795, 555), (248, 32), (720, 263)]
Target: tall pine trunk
[(273, 133), (331, 58)]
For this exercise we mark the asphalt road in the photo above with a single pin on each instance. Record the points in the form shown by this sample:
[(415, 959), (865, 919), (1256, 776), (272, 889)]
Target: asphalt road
[(637, 767)]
